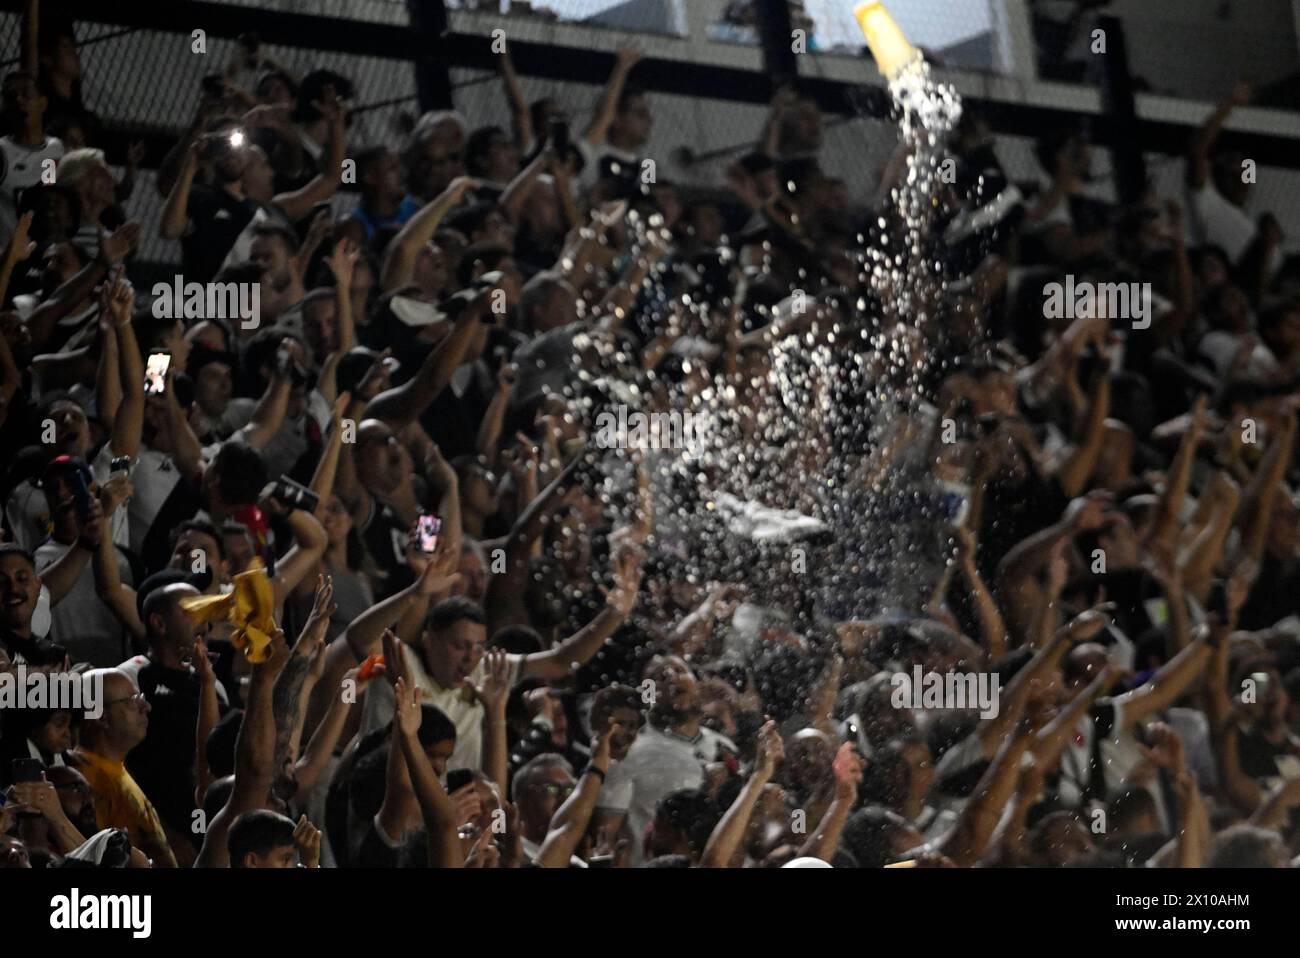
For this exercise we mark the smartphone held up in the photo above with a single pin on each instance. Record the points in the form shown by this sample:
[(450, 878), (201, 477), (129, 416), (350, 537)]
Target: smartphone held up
[(155, 373)]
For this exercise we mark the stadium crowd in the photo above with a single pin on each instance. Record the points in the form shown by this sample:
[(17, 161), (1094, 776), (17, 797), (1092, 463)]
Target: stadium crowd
[(538, 681)]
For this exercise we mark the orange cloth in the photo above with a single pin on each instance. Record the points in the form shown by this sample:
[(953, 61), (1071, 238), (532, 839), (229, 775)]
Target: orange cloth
[(119, 803), (249, 607)]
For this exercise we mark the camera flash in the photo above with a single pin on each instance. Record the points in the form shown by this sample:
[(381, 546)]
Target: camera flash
[(237, 138)]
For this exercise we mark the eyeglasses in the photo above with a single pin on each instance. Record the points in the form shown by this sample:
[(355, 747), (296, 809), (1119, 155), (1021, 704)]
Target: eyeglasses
[(137, 700), (558, 791)]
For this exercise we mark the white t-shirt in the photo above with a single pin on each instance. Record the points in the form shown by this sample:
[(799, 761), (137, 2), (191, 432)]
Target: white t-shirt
[(592, 155), (466, 715), (80, 620), (153, 477), (658, 764), (28, 511), (1215, 220), (20, 169), (1220, 347)]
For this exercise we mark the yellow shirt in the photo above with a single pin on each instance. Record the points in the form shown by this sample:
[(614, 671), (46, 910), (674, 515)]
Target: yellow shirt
[(119, 803)]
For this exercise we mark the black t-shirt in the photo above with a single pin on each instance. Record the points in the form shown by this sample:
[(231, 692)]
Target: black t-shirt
[(1274, 595), (216, 220), (163, 764), (184, 503), (371, 851), (385, 535), (1258, 754), (34, 651)]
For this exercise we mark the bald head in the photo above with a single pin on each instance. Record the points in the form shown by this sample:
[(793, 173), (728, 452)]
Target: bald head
[(165, 622), (124, 715), (378, 456)]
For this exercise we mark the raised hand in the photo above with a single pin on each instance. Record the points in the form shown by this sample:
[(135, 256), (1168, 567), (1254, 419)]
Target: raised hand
[(601, 744), (394, 661), (117, 245), (847, 768), (627, 579), (329, 105), (1166, 749), (438, 576), (484, 854), (278, 655), (307, 837), (494, 690), (406, 710), (202, 664), (771, 750), (114, 492), (322, 610), (468, 803)]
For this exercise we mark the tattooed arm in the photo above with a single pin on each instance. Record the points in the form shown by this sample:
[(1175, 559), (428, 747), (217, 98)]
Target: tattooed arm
[(254, 753)]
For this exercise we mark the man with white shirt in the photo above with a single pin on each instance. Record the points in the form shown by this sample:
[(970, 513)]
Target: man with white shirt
[(669, 755), (448, 663), (611, 144), (24, 154), (1218, 188), (85, 624)]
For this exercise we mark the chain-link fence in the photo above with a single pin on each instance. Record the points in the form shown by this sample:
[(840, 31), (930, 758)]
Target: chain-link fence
[(144, 82)]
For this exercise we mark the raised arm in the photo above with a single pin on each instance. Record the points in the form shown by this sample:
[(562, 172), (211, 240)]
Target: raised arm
[(521, 118), (489, 430), (578, 648), (268, 414), (965, 843), (113, 248), (108, 377), (1019, 571), (128, 423), (187, 451), (362, 638), (435, 806), (992, 626), (1163, 535), (494, 692), (1050, 742), (1257, 499), (1198, 156), (209, 713), (1199, 560), (302, 670), (254, 756), (322, 480), (324, 184), (1163, 689), (404, 404), (309, 543), (400, 256), (847, 768), (1078, 464), (625, 60), (729, 833), (571, 819), (175, 212)]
